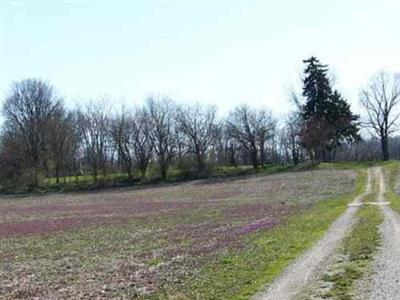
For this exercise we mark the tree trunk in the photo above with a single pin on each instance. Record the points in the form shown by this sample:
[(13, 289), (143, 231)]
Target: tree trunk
[(262, 154), (95, 174), (326, 155), (76, 175), (295, 157), (143, 171), (35, 177), (253, 157), (57, 174), (104, 171), (385, 147), (129, 168), (200, 163), (163, 169), (163, 165), (231, 156)]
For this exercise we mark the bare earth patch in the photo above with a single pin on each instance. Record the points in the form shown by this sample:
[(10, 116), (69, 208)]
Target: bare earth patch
[(143, 243)]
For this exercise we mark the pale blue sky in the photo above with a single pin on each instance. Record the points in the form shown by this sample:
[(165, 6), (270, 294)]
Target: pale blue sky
[(221, 52)]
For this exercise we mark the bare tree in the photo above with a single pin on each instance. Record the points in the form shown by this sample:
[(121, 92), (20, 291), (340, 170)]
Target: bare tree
[(222, 145), (181, 146), (199, 125), (61, 140), (77, 149), (264, 127), (380, 100), (28, 109), (239, 127), (141, 139), (161, 113), (12, 162), (121, 134), (292, 133), (250, 129), (94, 124)]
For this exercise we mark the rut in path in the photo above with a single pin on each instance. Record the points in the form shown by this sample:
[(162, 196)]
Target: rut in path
[(385, 281), (306, 269)]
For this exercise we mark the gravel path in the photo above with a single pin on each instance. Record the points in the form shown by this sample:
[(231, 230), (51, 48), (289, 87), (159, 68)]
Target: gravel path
[(385, 281), (306, 269)]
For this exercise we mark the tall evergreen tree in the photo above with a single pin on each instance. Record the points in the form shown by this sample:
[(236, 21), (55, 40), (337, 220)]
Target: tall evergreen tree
[(316, 88), (327, 118)]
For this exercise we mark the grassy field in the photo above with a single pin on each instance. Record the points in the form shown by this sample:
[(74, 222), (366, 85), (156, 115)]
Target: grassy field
[(356, 255), (206, 239), (173, 174), (118, 179), (392, 175)]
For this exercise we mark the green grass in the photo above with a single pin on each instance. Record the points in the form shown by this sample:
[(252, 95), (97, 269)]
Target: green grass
[(119, 179), (358, 249), (353, 165), (173, 174), (392, 173), (240, 274), (87, 178)]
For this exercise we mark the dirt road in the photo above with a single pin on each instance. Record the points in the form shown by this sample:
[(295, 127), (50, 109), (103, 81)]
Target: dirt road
[(385, 281), (306, 269)]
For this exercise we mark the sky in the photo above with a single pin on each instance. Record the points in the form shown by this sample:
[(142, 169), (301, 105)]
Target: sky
[(213, 52)]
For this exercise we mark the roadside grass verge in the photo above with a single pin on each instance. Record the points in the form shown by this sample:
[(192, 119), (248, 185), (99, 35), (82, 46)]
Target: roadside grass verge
[(240, 274), (356, 255), (353, 260), (392, 173)]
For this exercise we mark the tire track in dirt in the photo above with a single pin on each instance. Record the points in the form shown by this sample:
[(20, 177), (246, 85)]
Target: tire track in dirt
[(305, 269), (385, 280)]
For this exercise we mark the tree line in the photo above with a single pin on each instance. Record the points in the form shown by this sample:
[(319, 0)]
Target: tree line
[(41, 138)]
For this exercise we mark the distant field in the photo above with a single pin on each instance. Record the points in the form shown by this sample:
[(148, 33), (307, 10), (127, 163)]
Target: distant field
[(206, 239)]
